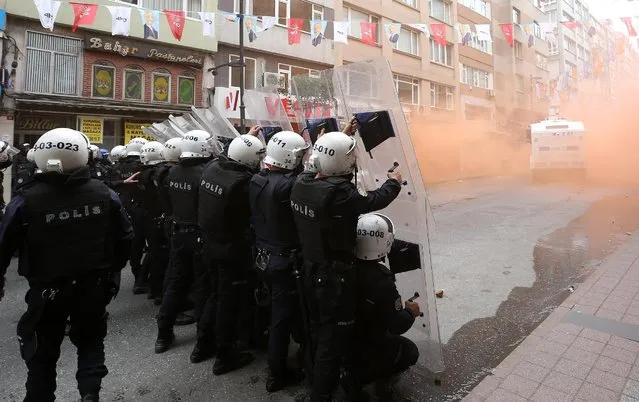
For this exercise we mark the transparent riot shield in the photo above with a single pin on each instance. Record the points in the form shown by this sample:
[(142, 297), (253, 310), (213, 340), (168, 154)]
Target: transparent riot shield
[(264, 107), (214, 122), (156, 134), (367, 91), (186, 123)]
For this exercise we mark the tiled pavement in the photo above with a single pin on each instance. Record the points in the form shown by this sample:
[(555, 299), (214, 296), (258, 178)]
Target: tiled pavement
[(565, 358)]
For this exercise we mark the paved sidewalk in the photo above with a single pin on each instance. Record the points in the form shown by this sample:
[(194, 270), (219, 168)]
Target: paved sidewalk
[(586, 350)]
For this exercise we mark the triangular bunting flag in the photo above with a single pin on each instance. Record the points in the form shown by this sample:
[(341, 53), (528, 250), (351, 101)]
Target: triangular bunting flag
[(47, 11), (295, 30), (208, 24), (438, 32), (176, 21), (507, 30), (84, 14), (120, 20)]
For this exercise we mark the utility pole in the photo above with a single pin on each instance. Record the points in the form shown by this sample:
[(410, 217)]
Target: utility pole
[(242, 69)]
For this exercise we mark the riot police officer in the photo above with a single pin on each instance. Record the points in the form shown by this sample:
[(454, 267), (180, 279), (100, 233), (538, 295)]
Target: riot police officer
[(224, 216), (22, 170), (7, 153), (380, 351), (69, 273), (100, 169), (278, 246), (325, 208), (186, 264), (131, 196)]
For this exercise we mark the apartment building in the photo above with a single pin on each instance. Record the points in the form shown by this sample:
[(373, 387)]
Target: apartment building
[(522, 68), (88, 79), (426, 73), (476, 67), (269, 58)]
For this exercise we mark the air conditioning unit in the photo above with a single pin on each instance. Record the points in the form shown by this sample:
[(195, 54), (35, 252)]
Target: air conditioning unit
[(271, 80), (491, 93)]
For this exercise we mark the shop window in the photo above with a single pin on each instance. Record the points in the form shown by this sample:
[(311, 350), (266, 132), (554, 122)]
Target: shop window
[(133, 83), (186, 90), (103, 81), (161, 88), (53, 64)]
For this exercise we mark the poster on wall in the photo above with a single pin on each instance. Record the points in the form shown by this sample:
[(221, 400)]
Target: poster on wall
[(103, 82), (161, 87), (133, 84), (133, 130), (186, 90), (92, 128)]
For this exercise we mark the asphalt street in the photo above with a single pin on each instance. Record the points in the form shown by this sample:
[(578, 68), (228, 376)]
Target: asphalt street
[(504, 251)]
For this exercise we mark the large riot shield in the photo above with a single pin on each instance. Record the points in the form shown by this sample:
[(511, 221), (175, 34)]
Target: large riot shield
[(214, 122), (186, 122), (367, 91), (264, 107)]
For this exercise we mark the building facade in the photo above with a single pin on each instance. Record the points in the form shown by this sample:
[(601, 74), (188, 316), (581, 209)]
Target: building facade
[(105, 85), (269, 59)]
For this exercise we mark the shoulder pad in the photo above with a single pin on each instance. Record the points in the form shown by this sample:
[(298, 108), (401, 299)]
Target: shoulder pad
[(337, 180)]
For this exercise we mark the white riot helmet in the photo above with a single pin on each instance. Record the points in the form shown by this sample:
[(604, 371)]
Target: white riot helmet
[(95, 151), (61, 150), (116, 152), (151, 153), (247, 150), (375, 236), (197, 144), (30, 156), (172, 150), (285, 150), (7, 152), (334, 154), (134, 146)]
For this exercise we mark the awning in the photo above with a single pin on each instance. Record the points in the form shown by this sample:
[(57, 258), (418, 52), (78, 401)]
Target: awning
[(43, 104)]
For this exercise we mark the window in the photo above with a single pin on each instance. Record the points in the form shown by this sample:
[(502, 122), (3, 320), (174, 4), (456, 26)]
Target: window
[(541, 61), (250, 72), (408, 42), (441, 54), (53, 64), (161, 88), (440, 9), (519, 83), (287, 71), (407, 89), (476, 77), (570, 44), (355, 17), (133, 83), (519, 50), (481, 45), (186, 90), (103, 80), (411, 3), (361, 84), (479, 6), (442, 96), (516, 16), (191, 7), (553, 49), (537, 29), (248, 7)]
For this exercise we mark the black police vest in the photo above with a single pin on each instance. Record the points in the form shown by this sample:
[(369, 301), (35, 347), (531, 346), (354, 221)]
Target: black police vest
[(184, 185), (149, 196), (218, 215), (162, 186), (67, 230), (324, 237), (273, 217)]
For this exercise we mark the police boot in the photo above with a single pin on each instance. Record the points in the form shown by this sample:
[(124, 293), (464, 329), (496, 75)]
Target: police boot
[(204, 349), (231, 360), (354, 391), (184, 319), (276, 381), (164, 341)]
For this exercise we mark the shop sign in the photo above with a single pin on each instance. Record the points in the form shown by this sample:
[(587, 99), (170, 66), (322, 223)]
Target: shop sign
[(93, 128), (29, 122), (126, 48), (134, 130)]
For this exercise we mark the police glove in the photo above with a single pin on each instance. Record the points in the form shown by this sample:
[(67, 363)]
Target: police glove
[(413, 308)]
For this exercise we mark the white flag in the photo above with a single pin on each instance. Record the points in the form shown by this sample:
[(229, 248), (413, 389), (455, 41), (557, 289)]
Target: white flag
[(340, 31), (120, 20), (422, 28), (268, 22), (548, 31), (483, 32), (208, 23), (47, 10)]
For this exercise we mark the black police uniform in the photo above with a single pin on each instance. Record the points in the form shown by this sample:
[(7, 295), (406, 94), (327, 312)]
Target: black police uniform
[(326, 212), (279, 256), (101, 170), (131, 196), (3, 165), (22, 171), (224, 215), (70, 267), (186, 264), (380, 319)]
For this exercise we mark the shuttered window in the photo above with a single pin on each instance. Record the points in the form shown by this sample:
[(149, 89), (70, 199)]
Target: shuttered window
[(53, 64)]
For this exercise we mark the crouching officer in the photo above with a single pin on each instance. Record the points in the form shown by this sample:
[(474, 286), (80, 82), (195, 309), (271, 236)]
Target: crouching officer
[(69, 273), (380, 350), (186, 264), (278, 247), (224, 215), (326, 206)]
